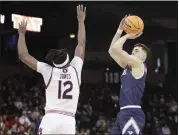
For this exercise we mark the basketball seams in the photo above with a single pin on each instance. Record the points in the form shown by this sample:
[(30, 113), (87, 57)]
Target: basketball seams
[(132, 23), (138, 22), (128, 29), (141, 24)]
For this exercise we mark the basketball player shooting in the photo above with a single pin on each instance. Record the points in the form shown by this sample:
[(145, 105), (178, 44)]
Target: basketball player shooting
[(62, 78), (131, 119)]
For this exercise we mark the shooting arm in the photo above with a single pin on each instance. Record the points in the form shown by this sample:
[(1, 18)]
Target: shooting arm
[(80, 48), (116, 37), (24, 55), (118, 54)]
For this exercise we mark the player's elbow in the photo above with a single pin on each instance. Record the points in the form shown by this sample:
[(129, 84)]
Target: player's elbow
[(23, 56), (109, 51), (113, 50)]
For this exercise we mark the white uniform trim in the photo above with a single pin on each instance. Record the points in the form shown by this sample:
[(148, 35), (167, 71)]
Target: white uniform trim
[(77, 63), (141, 74), (63, 64), (130, 106), (131, 122)]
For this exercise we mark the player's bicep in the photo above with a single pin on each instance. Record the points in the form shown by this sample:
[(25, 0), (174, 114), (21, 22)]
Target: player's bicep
[(129, 59), (118, 60), (80, 51), (126, 58), (30, 61)]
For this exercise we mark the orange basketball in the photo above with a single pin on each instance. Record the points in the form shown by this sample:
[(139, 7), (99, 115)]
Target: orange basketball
[(133, 24)]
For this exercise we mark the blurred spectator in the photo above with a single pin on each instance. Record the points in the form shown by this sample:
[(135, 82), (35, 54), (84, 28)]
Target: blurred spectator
[(24, 119), (18, 104), (166, 130), (23, 108)]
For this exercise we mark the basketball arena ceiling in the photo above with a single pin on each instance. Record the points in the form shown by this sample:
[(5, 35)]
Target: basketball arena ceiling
[(102, 17)]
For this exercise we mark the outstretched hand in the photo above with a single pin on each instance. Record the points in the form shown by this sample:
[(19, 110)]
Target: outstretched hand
[(22, 27), (81, 13)]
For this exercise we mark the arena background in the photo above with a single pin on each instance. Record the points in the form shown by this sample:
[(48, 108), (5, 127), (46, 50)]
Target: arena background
[(22, 90)]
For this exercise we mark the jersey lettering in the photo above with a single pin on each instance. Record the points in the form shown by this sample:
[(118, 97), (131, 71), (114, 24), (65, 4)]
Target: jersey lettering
[(66, 91)]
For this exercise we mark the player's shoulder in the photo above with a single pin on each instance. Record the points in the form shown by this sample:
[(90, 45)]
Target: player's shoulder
[(43, 64), (76, 62), (76, 58), (43, 67)]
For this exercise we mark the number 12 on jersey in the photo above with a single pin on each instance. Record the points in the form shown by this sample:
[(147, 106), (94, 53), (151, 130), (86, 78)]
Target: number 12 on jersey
[(65, 95)]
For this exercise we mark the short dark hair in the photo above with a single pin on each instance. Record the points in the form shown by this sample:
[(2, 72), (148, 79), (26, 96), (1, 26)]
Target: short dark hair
[(145, 48)]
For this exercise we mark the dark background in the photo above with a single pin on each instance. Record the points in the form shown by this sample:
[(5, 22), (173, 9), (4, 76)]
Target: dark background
[(59, 20), (102, 20)]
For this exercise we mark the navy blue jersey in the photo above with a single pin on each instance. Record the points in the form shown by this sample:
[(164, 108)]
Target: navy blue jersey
[(132, 89)]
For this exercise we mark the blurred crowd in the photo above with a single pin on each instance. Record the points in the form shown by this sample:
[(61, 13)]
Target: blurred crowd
[(22, 108)]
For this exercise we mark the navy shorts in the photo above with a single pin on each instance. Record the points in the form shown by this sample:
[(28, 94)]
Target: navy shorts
[(129, 122)]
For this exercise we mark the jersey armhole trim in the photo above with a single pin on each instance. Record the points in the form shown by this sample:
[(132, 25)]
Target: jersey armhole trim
[(139, 77), (77, 76), (49, 79)]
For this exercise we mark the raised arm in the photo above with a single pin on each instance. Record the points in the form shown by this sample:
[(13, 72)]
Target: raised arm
[(118, 54), (23, 53), (80, 48), (115, 38)]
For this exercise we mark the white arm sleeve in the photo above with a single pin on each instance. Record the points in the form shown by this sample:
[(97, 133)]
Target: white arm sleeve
[(45, 70), (77, 63)]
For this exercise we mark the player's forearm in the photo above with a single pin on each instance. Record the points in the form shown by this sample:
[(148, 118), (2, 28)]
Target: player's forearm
[(81, 34), (118, 45), (116, 36), (22, 48)]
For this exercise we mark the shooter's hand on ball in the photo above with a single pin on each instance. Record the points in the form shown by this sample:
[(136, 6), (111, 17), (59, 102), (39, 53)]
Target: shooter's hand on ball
[(135, 35), (22, 27), (81, 13), (122, 22)]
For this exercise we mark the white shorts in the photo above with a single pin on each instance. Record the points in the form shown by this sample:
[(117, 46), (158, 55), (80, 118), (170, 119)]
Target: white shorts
[(53, 123)]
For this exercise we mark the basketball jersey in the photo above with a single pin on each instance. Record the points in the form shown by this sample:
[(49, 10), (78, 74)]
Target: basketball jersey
[(132, 89), (63, 90)]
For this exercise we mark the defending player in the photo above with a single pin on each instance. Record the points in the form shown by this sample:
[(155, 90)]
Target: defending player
[(131, 119), (62, 78)]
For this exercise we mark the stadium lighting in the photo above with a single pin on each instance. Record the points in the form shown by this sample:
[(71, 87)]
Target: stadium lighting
[(72, 35)]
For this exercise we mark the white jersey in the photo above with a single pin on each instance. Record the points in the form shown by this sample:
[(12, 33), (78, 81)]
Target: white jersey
[(63, 89)]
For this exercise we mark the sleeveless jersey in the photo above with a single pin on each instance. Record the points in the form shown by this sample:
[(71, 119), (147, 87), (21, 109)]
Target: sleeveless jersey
[(132, 89), (62, 90)]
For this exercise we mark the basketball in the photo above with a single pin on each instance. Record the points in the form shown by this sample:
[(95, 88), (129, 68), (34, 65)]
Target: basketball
[(133, 24)]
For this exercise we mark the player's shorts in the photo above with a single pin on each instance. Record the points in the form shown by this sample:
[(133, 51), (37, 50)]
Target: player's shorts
[(54, 123), (130, 121)]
